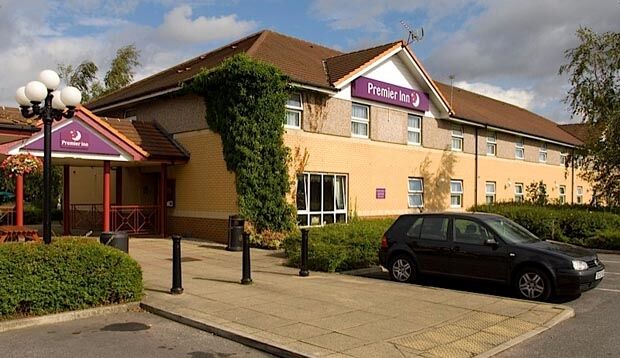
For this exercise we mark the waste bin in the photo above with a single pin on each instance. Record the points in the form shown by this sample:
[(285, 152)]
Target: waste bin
[(118, 240), (235, 233)]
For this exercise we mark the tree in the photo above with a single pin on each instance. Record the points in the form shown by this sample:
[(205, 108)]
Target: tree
[(537, 193), (594, 76), (84, 76)]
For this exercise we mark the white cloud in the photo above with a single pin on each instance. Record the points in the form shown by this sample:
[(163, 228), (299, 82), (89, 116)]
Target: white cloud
[(519, 97), (101, 21), (178, 25)]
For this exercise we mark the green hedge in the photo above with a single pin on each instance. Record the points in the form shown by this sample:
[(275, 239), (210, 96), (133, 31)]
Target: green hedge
[(339, 247), (69, 274), (574, 224)]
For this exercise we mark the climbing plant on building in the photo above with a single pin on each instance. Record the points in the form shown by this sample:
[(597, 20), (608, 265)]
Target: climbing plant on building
[(245, 101)]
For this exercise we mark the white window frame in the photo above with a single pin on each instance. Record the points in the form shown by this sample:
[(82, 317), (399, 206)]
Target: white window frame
[(492, 143), (411, 193), (360, 120), (562, 194), (542, 152), (519, 196), (579, 192), (455, 194), (563, 157), (294, 109), (520, 148), (490, 194), (310, 213), (459, 137), (414, 129)]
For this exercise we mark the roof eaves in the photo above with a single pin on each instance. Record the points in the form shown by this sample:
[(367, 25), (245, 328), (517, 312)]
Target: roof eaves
[(174, 142)]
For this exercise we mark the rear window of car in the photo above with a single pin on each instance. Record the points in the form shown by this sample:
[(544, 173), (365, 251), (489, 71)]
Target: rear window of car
[(435, 228), (402, 225)]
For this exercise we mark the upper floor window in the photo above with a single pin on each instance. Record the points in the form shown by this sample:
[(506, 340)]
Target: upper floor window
[(563, 156), (542, 153), (416, 192), (519, 148), (519, 192), (457, 137), (491, 143), (360, 119), (579, 195), (294, 109), (456, 193), (490, 192), (414, 129)]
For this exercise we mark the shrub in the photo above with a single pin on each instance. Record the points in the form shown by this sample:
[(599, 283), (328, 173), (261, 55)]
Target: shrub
[(339, 247), (69, 274), (607, 239), (573, 224)]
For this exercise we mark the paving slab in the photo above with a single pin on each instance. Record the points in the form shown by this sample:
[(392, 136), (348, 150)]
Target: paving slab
[(330, 315)]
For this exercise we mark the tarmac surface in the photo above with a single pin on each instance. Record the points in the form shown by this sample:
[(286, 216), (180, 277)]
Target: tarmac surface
[(331, 315), (129, 334)]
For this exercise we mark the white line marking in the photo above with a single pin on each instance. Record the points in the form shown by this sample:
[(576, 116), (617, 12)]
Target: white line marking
[(611, 262), (612, 273), (607, 289)]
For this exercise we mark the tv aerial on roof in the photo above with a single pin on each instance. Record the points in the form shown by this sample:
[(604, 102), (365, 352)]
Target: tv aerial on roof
[(415, 35)]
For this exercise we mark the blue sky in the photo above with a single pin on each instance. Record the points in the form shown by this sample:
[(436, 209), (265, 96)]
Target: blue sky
[(507, 49)]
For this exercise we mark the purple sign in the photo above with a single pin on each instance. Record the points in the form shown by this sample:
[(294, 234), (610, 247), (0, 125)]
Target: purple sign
[(380, 193), (75, 138), (379, 91)]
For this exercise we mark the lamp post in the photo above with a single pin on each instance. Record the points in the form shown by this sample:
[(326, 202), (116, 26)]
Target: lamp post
[(56, 105)]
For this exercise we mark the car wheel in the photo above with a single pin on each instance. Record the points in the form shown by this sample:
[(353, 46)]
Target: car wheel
[(402, 268), (533, 284)]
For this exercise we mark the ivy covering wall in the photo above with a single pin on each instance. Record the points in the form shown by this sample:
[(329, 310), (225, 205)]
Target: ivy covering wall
[(245, 101)]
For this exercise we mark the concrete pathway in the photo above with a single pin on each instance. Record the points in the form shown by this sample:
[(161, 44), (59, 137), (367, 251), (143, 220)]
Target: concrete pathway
[(331, 315)]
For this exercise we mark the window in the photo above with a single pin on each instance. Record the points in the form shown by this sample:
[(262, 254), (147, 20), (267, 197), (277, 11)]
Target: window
[(416, 193), (360, 118), (519, 149), (491, 143), (456, 193), (542, 153), (434, 228), (457, 138), (562, 192), (321, 199), (414, 129), (519, 192), (563, 157), (490, 192), (294, 110), (579, 195), (469, 232)]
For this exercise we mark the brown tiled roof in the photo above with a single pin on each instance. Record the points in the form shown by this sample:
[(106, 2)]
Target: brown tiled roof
[(11, 118), (578, 130), (300, 60), (150, 137), (338, 67), (488, 111)]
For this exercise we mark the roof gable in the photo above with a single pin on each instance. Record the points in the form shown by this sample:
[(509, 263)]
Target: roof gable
[(342, 66)]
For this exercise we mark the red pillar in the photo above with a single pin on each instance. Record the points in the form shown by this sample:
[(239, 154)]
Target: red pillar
[(66, 199), (106, 195), (163, 215), (119, 186), (19, 200)]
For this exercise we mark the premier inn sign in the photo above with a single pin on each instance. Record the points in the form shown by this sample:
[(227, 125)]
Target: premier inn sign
[(379, 91)]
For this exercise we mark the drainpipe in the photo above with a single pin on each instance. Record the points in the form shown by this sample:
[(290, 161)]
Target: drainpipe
[(572, 178), (476, 170)]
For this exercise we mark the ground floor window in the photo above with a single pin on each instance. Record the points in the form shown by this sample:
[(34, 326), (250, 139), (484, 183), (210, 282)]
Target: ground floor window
[(519, 192), (416, 193), (490, 192), (562, 196), (456, 193), (321, 198), (579, 195)]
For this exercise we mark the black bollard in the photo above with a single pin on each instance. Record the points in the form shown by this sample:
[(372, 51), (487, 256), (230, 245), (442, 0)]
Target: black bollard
[(303, 272), (177, 287), (246, 278)]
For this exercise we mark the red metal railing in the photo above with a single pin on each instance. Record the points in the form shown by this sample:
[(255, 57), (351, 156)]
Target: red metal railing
[(7, 216), (134, 219)]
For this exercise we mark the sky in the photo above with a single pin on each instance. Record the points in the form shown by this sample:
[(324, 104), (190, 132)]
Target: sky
[(506, 49)]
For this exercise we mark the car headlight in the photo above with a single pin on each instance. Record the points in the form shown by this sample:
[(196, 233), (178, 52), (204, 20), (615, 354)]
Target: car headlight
[(580, 265)]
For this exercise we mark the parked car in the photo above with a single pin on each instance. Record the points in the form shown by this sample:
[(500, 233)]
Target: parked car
[(487, 247)]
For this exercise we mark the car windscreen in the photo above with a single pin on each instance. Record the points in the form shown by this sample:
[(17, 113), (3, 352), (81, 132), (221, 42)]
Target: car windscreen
[(510, 231)]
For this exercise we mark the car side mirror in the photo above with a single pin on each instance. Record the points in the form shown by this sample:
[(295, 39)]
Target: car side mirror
[(490, 242)]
